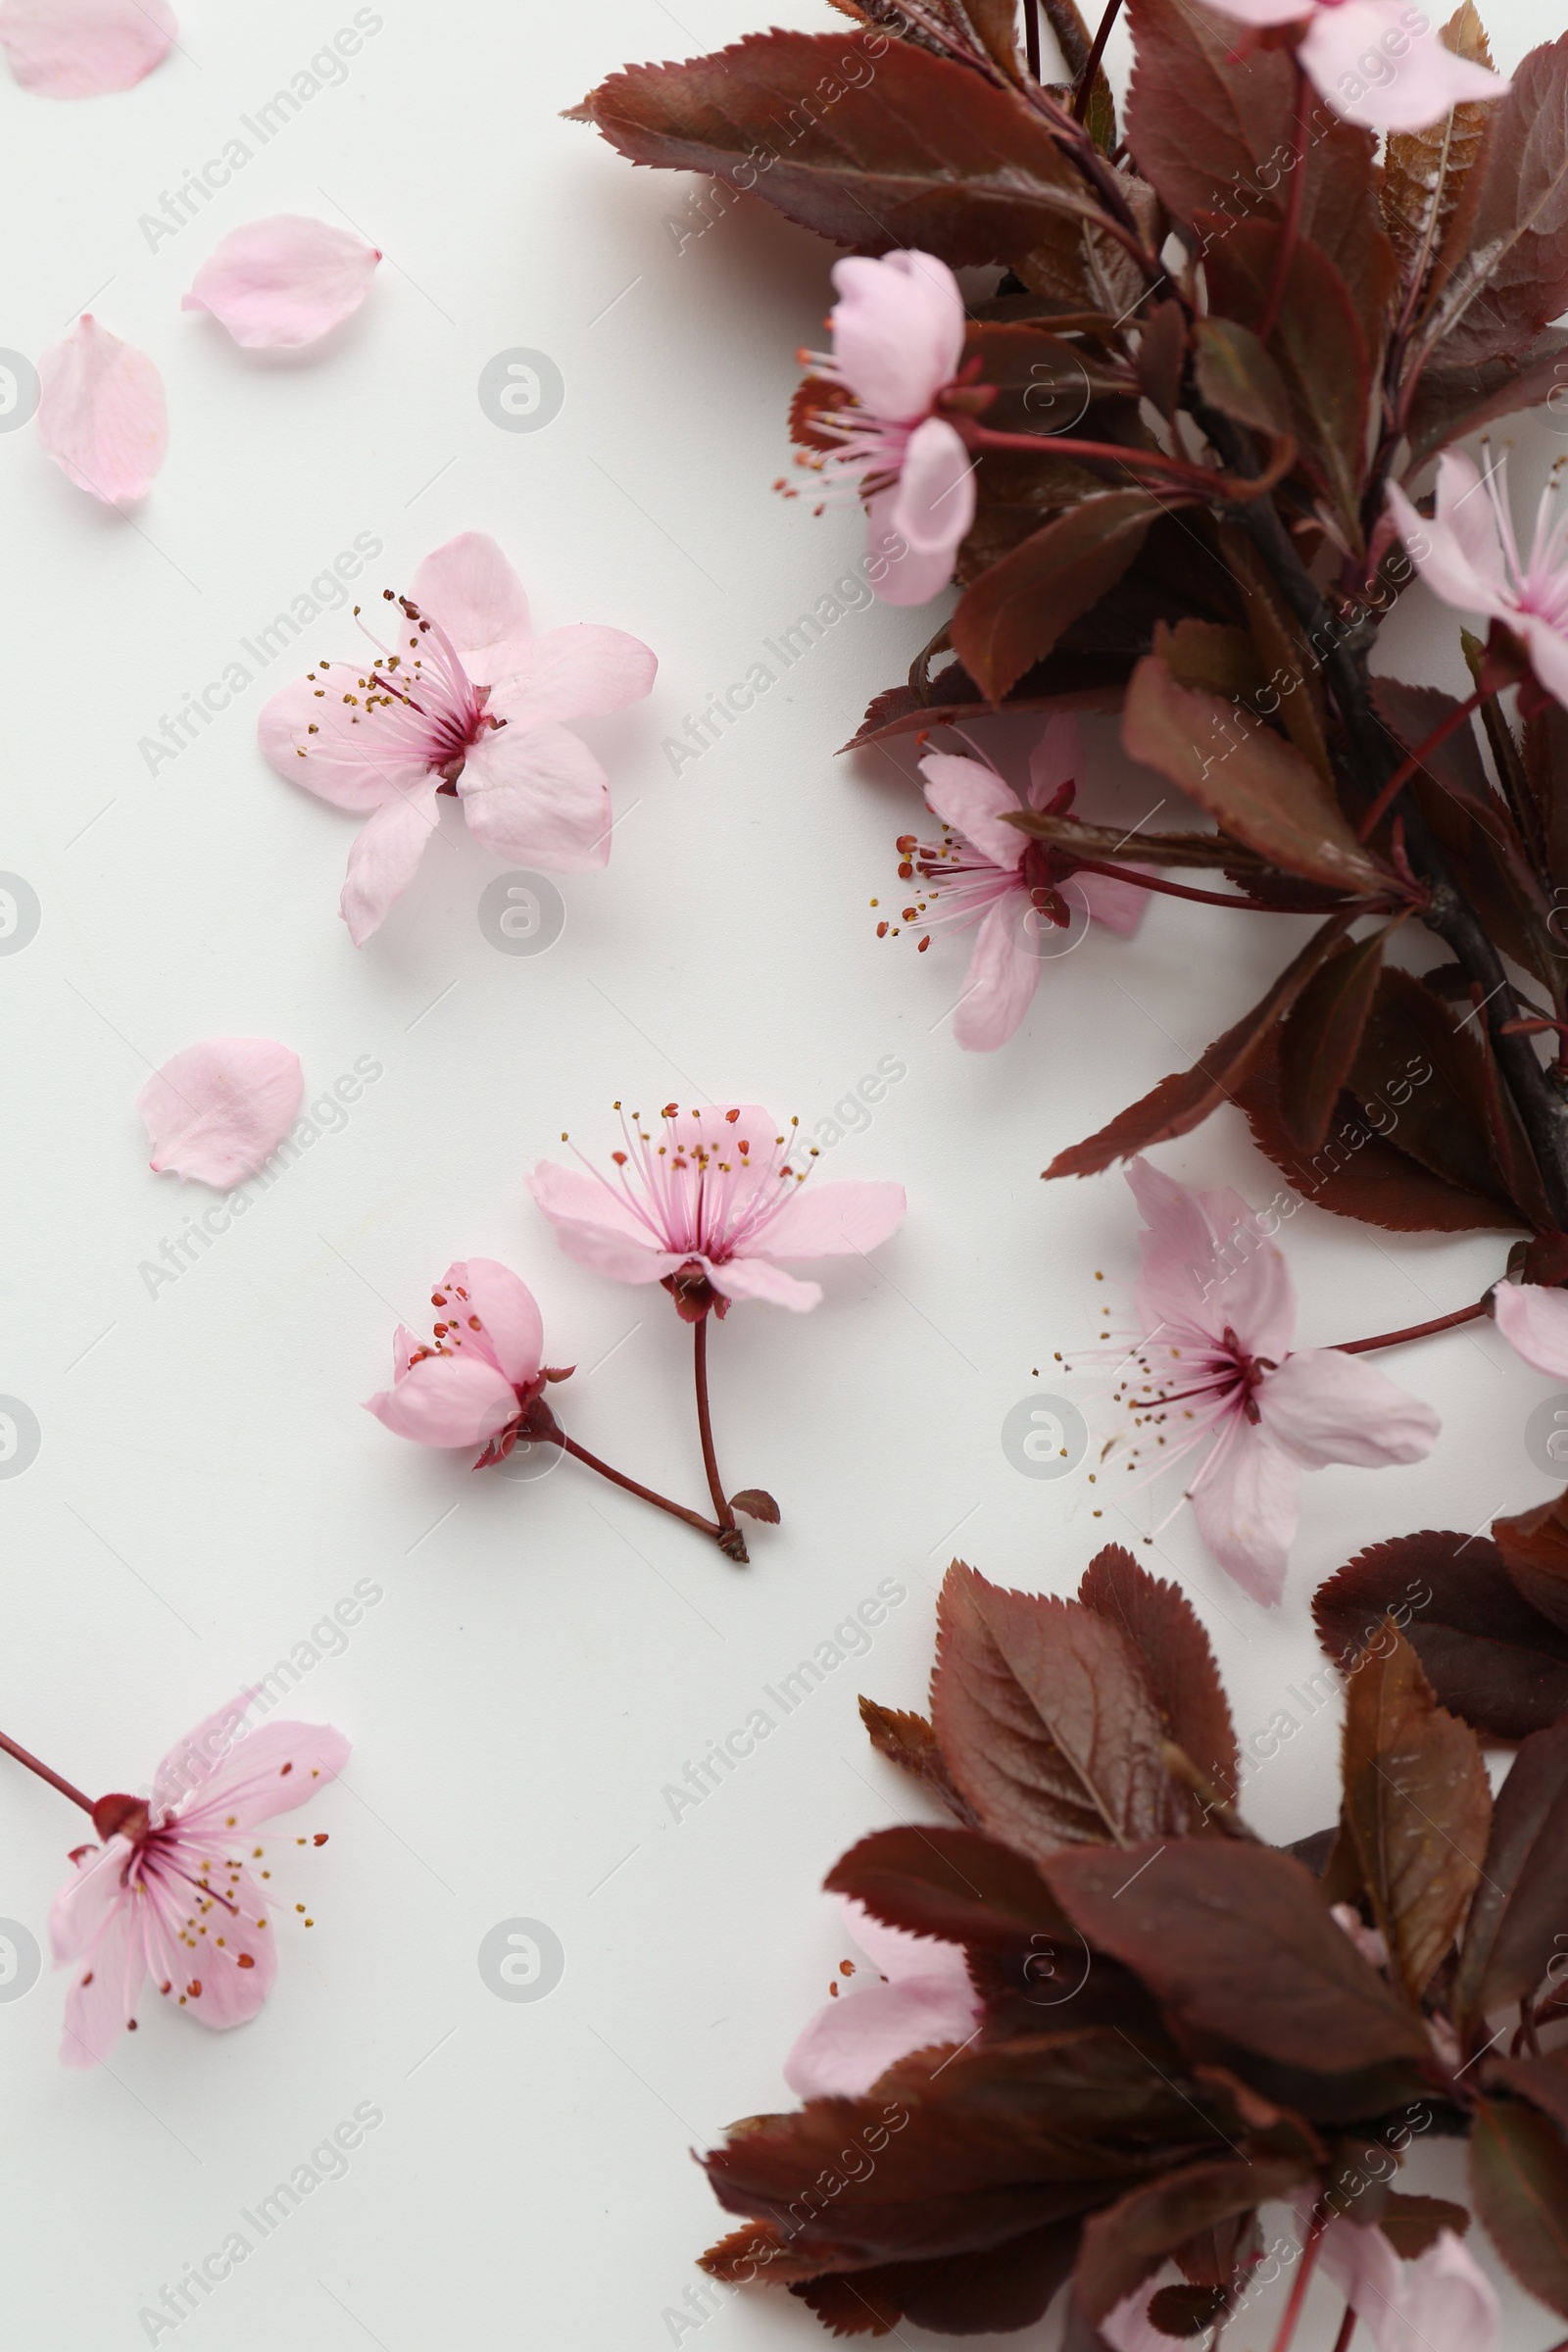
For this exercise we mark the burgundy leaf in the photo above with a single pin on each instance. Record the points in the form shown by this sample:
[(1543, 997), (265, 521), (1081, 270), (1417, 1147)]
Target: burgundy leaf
[(1012, 615), (1513, 280), (1047, 1723), (955, 1885), (1535, 1551), (1519, 2186), (1127, 2242), (1321, 1033), (909, 1741), (1517, 1917), (1173, 1649)]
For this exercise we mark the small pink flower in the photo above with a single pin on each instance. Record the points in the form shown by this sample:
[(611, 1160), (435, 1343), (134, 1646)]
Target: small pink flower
[(102, 416), (1469, 556), (1018, 890), (922, 1998), (162, 1897), (1210, 1366), (220, 1110), (84, 48), (465, 702), (1441, 2302), (474, 1381), (279, 284), (1366, 60), (897, 340), (709, 1208)]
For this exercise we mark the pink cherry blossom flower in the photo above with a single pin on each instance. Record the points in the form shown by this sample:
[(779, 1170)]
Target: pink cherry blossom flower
[(218, 1111), (710, 1207), (1534, 1320), (102, 416), (1469, 556), (84, 48), (1210, 1366), (1021, 892), (463, 702), (897, 340), (923, 1997), (279, 284), (1371, 65), (1441, 2302), (472, 1382), (162, 1897)]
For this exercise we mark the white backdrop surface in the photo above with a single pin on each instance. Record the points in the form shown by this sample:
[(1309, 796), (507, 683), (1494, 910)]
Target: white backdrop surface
[(541, 1661)]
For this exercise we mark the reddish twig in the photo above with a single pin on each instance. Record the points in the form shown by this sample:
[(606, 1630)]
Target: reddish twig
[(1290, 235), (1086, 79), (44, 1774), (618, 1478), (1414, 1330), (1418, 758)]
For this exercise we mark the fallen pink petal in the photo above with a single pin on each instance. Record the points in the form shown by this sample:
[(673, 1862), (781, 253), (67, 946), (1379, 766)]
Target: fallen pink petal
[(102, 416), (282, 283), (220, 1108), (85, 48)]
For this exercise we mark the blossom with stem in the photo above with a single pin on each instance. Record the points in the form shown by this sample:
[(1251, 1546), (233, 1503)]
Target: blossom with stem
[(922, 1996), (161, 1897), (1470, 556), (480, 1381), (707, 1206), (1208, 1371), (460, 699), (1019, 890)]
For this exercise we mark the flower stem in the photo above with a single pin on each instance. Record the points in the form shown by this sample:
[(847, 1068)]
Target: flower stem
[(1303, 2279), (1180, 890), (1413, 1331), (44, 1774), (1031, 35), (1290, 234), (1456, 719), (1086, 79), (617, 1478), (705, 1425), (1341, 2342)]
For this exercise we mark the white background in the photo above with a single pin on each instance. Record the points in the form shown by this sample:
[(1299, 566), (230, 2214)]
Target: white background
[(545, 1657)]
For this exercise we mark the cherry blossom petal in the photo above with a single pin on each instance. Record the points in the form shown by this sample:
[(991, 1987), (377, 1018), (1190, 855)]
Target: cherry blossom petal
[(385, 857), (226, 1978), (471, 589), (512, 1330), (87, 1901), (274, 1769), (933, 504), (1326, 1406), (1534, 1321), (447, 1401), (1344, 54), (1264, 12), (1247, 1507), (1120, 905), (755, 1278), (1459, 552), (188, 1767), (899, 573), (973, 799), (1057, 759), (1441, 2302), (102, 416), (1207, 1263), (106, 1989), (899, 1953), (279, 284), (597, 1228), (1000, 984), (85, 48), (834, 1220), (853, 2041), (220, 1108), (898, 331), (313, 736), (577, 672), (537, 796)]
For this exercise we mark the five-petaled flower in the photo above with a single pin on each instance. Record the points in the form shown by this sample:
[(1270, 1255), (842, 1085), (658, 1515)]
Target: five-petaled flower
[(1469, 555), (1210, 1366), (163, 1897), (707, 1206), (480, 1376), (898, 341), (1379, 63), (1022, 893), (464, 701)]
